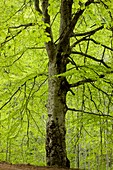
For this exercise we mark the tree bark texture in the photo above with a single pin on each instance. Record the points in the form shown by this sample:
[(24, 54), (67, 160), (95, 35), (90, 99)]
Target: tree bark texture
[(55, 139), (58, 86)]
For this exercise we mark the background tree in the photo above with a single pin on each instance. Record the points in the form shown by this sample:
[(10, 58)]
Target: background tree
[(77, 38)]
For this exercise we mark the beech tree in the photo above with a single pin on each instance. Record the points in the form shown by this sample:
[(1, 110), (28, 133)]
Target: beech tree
[(59, 53), (78, 42)]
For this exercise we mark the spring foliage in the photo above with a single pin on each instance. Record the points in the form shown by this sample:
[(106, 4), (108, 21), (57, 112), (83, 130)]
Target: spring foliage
[(24, 88)]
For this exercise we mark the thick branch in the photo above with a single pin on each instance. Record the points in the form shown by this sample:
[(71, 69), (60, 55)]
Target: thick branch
[(73, 23), (81, 82), (37, 8), (46, 17), (66, 15), (50, 47), (65, 20)]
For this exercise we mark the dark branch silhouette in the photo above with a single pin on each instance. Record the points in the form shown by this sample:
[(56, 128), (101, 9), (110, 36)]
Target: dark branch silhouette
[(91, 113), (91, 57), (81, 82)]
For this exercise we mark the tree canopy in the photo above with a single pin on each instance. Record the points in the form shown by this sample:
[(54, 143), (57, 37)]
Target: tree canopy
[(80, 35)]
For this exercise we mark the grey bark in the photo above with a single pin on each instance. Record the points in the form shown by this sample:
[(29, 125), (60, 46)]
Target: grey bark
[(57, 85)]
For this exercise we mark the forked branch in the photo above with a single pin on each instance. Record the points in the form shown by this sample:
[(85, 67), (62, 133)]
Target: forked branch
[(91, 57), (74, 21)]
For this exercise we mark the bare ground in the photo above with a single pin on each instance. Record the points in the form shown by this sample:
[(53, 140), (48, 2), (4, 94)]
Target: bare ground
[(7, 166)]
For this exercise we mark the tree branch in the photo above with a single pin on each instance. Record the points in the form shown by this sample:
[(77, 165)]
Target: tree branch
[(50, 47), (37, 8), (23, 25), (73, 23), (88, 32), (19, 88), (91, 57), (90, 113), (94, 41), (78, 41), (10, 98), (81, 82), (99, 89), (9, 38)]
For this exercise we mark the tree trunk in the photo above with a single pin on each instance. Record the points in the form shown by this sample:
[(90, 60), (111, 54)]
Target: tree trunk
[(58, 86), (55, 130)]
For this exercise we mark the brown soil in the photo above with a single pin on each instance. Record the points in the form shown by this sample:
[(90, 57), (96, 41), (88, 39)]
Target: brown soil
[(7, 166)]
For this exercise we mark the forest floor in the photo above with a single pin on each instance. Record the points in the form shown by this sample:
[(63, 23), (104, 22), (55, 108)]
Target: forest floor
[(7, 166)]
